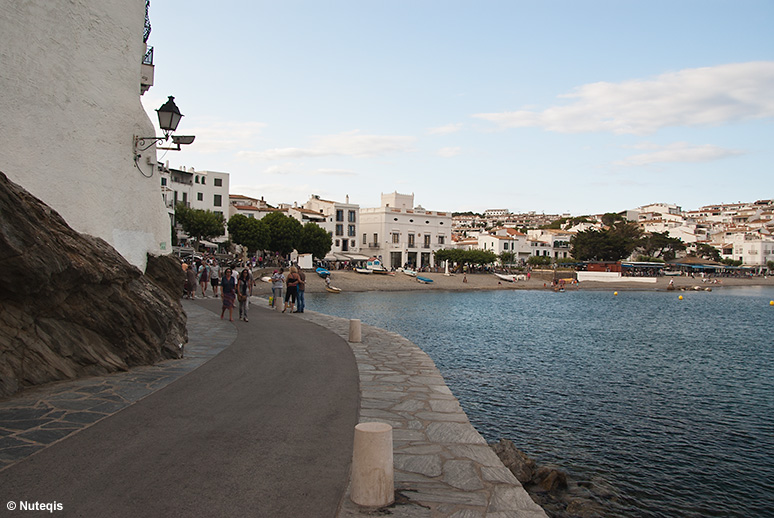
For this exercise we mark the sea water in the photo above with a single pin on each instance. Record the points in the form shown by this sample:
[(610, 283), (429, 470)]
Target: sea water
[(669, 401)]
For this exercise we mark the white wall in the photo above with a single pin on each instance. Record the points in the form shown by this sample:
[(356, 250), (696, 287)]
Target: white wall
[(70, 105)]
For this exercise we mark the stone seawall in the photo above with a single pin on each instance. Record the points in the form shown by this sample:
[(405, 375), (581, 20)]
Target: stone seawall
[(443, 466)]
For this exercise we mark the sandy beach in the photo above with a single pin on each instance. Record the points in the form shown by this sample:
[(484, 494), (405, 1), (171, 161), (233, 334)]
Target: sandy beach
[(350, 281)]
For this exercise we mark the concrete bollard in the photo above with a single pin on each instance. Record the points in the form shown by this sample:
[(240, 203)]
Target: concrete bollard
[(355, 335), (373, 483)]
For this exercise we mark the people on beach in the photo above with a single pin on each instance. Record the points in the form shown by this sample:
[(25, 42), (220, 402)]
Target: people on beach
[(228, 294), (244, 292), (291, 289), (277, 285)]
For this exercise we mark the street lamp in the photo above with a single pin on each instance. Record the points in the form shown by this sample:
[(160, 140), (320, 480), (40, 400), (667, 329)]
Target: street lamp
[(169, 117)]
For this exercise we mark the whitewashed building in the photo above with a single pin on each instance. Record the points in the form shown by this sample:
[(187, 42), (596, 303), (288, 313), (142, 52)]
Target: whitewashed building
[(400, 234), (342, 222), (71, 76)]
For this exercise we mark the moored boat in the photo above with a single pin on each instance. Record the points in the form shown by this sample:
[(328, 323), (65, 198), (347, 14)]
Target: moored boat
[(332, 289), (322, 272), (424, 280), (362, 270), (506, 277)]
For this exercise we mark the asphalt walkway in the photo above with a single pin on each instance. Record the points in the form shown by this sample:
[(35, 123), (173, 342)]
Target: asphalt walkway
[(264, 428)]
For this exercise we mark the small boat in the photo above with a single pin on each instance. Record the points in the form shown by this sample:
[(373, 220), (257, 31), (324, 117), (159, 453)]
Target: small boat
[(266, 279), (322, 272), (410, 273), (424, 280), (376, 266), (332, 289), (362, 270), (506, 277)]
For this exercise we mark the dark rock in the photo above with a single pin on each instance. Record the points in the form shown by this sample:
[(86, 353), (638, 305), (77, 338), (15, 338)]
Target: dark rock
[(515, 460), (71, 305), (550, 480)]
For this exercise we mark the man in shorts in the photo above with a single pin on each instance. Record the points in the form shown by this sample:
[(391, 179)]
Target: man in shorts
[(215, 277)]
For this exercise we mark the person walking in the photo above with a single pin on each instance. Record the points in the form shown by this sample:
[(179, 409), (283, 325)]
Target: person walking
[(244, 292), (277, 284), (204, 278), (292, 288), (228, 294), (301, 288), (190, 282), (215, 277)]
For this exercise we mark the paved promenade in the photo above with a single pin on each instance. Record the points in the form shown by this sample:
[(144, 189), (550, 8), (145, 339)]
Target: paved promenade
[(263, 428)]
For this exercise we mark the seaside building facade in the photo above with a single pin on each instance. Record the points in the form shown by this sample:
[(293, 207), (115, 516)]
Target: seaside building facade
[(400, 234), (342, 221), (72, 77)]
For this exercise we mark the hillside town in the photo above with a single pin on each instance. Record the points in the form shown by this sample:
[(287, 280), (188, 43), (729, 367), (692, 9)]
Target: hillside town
[(402, 232)]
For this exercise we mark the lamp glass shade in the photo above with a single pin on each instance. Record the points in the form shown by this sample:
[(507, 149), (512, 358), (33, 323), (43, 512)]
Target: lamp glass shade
[(169, 115)]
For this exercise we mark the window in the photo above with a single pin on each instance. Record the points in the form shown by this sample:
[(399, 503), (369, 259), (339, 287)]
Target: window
[(339, 214), (427, 240), (395, 238), (203, 178), (441, 240), (365, 239), (351, 231), (351, 216), (505, 246), (196, 178), (163, 182), (337, 242), (217, 200), (376, 238), (411, 242), (339, 230), (185, 199), (200, 196), (218, 182)]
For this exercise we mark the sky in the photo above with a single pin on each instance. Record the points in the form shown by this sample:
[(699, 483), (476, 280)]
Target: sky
[(552, 106)]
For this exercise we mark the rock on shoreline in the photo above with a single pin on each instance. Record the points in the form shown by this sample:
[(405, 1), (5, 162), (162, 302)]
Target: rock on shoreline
[(550, 487)]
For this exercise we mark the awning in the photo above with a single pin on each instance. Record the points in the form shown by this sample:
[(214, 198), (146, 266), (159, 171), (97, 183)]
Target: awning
[(356, 257), (336, 257)]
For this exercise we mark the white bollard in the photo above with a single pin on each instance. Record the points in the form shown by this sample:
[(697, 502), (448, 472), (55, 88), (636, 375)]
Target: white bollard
[(355, 335), (373, 483)]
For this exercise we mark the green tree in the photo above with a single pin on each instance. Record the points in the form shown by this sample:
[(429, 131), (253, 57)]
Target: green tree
[(249, 232), (315, 240), (199, 224), (539, 260), (659, 244), (612, 244), (508, 257), (284, 233), (707, 252), (611, 218)]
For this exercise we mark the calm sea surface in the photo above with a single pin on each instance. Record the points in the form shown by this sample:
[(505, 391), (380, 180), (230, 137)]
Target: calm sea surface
[(670, 401)]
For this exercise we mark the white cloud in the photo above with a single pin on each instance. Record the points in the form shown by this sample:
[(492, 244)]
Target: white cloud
[(677, 152), (445, 129), (351, 143), (708, 96), (448, 152)]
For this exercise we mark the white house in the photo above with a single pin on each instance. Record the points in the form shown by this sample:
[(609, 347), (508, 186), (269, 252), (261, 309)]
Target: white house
[(71, 80), (342, 221), (401, 234)]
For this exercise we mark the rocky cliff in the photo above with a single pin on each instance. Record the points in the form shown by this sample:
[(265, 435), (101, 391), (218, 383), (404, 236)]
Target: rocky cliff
[(71, 306)]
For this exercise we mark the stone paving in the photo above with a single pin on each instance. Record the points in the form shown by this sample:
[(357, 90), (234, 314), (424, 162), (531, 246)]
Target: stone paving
[(42, 416), (443, 467)]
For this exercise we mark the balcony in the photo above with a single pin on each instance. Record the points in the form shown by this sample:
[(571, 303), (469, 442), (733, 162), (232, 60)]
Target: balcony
[(146, 74)]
